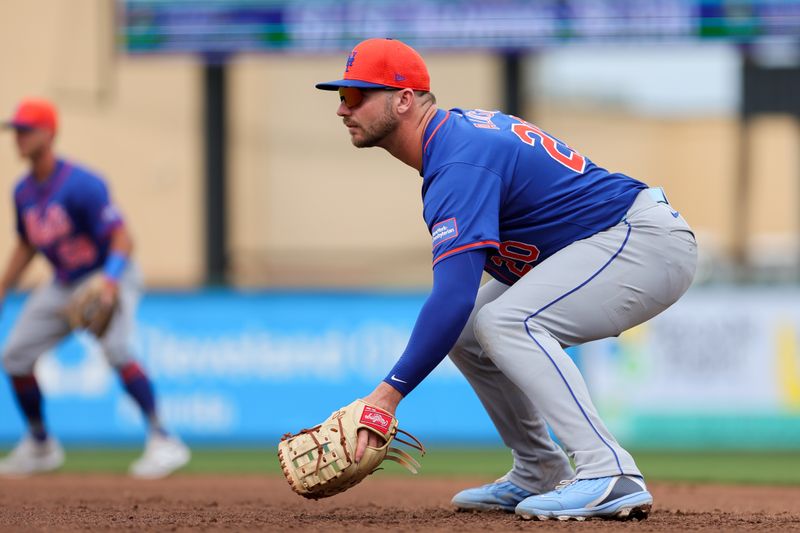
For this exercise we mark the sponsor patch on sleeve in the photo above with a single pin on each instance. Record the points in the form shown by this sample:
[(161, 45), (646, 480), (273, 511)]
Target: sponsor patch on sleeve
[(444, 231)]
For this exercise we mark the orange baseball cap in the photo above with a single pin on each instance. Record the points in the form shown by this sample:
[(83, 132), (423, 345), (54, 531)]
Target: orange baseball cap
[(34, 113), (381, 63)]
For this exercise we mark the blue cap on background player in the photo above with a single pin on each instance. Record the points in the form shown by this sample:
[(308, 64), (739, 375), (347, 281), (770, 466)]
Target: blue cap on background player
[(379, 63)]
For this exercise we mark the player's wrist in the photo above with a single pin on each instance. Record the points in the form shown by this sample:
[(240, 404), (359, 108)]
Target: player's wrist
[(115, 266), (385, 396)]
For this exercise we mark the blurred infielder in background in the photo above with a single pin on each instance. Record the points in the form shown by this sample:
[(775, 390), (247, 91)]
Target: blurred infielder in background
[(65, 212), (577, 253)]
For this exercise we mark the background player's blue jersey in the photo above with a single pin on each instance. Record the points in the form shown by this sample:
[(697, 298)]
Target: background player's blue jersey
[(495, 181), (69, 218)]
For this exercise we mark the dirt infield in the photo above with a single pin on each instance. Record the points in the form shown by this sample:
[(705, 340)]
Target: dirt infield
[(64, 502)]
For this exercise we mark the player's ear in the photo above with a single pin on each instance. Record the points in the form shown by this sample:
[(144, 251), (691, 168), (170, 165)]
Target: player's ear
[(405, 100)]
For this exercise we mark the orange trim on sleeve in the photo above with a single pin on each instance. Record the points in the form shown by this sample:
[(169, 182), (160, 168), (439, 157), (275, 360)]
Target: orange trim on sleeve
[(466, 247), (435, 130)]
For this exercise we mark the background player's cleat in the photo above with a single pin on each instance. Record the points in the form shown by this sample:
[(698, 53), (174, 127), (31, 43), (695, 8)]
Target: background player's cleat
[(162, 456), (620, 497), (502, 495), (32, 457)]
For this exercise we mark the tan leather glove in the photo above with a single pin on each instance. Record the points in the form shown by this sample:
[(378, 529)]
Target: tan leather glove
[(320, 462)]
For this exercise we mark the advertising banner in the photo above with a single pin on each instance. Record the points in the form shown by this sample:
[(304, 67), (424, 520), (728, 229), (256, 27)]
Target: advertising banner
[(721, 368)]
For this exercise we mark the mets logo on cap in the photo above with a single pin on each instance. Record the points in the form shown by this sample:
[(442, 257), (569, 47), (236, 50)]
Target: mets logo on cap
[(350, 59), (378, 63)]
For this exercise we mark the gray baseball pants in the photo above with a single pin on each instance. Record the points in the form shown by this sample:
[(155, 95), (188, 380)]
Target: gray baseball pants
[(512, 349), (41, 324)]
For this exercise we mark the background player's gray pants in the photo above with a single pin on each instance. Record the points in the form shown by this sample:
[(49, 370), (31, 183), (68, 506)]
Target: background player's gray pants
[(41, 324), (511, 350)]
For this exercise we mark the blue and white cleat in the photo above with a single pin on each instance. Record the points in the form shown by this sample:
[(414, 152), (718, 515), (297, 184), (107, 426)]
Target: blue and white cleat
[(618, 497), (502, 495)]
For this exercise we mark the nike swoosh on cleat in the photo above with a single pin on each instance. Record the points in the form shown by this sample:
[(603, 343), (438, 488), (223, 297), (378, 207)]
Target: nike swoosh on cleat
[(393, 378), (675, 214)]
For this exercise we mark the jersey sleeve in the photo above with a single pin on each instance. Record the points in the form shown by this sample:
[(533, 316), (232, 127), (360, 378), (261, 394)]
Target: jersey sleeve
[(461, 209), (101, 215)]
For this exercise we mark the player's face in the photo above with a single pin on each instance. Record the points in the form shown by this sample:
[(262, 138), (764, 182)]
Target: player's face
[(32, 142), (368, 115)]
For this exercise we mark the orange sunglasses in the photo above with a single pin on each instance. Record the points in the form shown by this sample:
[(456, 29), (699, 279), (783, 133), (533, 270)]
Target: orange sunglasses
[(353, 96)]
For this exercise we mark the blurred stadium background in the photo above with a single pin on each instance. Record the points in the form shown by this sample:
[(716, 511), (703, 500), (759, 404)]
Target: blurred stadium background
[(285, 268)]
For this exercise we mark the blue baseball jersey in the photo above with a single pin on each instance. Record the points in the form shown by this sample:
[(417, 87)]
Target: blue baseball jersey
[(494, 181), (69, 218)]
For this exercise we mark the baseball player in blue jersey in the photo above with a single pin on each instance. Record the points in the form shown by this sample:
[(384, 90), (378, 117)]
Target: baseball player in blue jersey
[(65, 212), (576, 253)]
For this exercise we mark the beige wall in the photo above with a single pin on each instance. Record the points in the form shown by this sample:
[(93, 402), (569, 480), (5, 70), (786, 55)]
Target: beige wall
[(774, 143), (306, 208)]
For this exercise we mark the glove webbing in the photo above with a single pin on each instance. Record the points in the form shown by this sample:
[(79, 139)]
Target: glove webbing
[(320, 449)]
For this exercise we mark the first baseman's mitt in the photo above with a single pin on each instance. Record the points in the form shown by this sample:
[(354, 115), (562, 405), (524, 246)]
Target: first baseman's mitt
[(86, 308), (319, 462)]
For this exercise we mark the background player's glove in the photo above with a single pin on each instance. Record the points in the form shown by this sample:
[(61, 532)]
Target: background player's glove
[(320, 461), (90, 307)]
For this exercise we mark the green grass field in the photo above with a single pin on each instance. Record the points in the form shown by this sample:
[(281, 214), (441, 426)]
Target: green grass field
[(720, 467)]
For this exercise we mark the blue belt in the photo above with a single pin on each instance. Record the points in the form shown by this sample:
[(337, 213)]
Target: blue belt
[(657, 194)]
